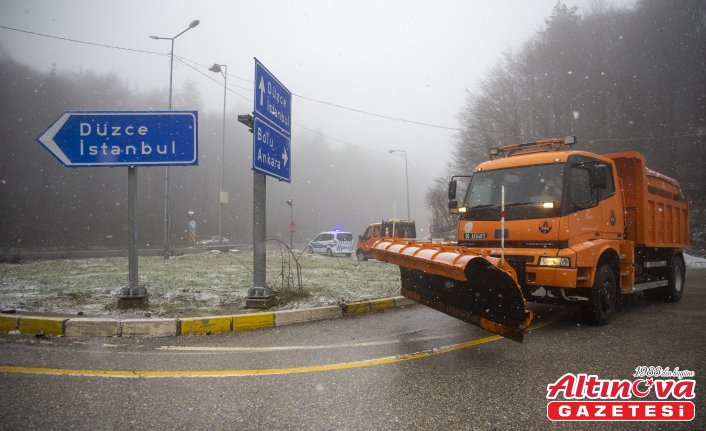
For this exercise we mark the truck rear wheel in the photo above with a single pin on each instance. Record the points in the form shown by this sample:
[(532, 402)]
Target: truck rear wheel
[(603, 301), (674, 291), (329, 253)]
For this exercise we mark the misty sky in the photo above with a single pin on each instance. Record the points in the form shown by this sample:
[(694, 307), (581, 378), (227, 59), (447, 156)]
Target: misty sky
[(410, 59)]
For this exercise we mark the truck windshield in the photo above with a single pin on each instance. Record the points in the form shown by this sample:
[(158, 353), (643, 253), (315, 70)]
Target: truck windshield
[(530, 192)]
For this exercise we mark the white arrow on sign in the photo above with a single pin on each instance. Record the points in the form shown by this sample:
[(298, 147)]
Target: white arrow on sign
[(47, 139), (284, 156), (261, 87)]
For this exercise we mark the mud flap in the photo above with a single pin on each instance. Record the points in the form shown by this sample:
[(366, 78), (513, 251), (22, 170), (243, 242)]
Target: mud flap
[(490, 298)]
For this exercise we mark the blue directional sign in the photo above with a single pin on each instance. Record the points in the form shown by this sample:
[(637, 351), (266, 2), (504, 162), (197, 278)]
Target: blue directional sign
[(123, 138), (271, 151), (273, 102)]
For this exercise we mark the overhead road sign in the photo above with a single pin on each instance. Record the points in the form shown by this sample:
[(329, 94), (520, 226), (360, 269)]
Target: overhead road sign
[(271, 151), (123, 138), (273, 102)]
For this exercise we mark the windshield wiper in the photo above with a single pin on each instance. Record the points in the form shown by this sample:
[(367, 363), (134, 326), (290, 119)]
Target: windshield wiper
[(478, 207), (517, 204)]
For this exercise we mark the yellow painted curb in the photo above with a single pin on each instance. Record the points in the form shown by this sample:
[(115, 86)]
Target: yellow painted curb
[(202, 325), (246, 322), (382, 304), (8, 323), (206, 325), (47, 325), (356, 308)]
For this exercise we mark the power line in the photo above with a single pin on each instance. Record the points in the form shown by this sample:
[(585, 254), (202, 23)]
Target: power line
[(372, 114), (83, 41), (191, 64), (181, 60), (323, 102), (207, 67), (338, 140)]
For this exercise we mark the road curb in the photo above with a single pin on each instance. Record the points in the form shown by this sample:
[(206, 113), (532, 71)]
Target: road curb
[(168, 327)]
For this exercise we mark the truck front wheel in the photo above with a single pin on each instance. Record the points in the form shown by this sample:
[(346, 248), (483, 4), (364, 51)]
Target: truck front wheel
[(360, 256), (601, 305)]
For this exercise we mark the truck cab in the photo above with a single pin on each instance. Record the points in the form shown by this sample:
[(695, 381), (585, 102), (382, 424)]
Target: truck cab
[(390, 228)]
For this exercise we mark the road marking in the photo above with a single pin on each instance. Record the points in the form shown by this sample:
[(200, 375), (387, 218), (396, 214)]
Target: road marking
[(217, 349), (258, 372)]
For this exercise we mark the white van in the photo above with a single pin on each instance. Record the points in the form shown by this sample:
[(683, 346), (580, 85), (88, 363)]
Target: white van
[(332, 242)]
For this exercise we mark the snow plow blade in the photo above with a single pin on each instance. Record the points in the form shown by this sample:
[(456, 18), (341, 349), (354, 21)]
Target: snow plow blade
[(477, 289)]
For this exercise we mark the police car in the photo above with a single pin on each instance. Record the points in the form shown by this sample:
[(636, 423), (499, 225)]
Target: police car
[(332, 242)]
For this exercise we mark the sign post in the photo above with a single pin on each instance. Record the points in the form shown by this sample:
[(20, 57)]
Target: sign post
[(125, 138), (134, 290), (272, 131)]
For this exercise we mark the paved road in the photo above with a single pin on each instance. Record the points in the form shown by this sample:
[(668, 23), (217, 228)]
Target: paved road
[(371, 372)]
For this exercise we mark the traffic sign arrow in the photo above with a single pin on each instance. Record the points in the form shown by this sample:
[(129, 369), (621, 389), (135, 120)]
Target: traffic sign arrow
[(123, 138), (261, 87)]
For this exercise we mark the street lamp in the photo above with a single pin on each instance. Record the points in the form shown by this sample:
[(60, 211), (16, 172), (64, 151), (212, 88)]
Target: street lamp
[(290, 202), (167, 215), (222, 69), (406, 175)]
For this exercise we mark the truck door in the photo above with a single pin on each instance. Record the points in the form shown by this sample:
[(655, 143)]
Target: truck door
[(585, 217)]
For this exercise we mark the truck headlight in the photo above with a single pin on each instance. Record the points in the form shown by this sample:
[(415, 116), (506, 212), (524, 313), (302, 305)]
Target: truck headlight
[(554, 261)]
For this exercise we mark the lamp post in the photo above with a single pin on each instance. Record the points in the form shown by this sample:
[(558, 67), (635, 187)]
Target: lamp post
[(167, 215), (406, 175), (223, 197), (290, 202)]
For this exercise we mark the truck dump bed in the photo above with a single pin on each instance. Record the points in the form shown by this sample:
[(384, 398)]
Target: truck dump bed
[(656, 212)]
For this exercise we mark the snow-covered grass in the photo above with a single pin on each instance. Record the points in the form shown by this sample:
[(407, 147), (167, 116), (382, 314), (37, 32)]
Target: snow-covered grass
[(210, 282)]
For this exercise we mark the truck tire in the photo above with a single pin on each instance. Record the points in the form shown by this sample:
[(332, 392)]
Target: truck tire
[(329, 253), (675, 289), (360, 256), (310, 250), (603, 300)]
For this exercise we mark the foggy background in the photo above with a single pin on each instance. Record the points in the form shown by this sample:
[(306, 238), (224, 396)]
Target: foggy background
[(441, 81)]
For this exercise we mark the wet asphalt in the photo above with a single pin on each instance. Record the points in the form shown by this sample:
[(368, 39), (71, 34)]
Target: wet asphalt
[(496, 385)]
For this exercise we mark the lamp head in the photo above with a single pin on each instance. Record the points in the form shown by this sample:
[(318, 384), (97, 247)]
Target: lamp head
[(194, 23), (215, 68)]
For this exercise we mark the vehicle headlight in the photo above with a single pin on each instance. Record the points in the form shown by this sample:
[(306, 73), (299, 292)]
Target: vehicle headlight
[(554, 261)]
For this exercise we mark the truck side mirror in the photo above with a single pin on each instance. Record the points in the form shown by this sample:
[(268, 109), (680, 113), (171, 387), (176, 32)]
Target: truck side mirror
[(452, 190), (600, 176), (453, 206)]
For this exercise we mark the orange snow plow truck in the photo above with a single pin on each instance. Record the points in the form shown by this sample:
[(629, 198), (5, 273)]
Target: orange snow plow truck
[(542, 222)]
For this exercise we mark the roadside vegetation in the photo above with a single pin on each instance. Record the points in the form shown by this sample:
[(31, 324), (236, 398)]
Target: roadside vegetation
[(194, 284)]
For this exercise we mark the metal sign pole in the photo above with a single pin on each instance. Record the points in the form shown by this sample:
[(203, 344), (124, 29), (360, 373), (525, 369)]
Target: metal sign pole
[(259, 231), (259, 296), (134, 295), (132, 228)]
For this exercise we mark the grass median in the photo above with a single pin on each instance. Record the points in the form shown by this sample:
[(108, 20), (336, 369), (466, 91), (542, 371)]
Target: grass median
[(211, 282)]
